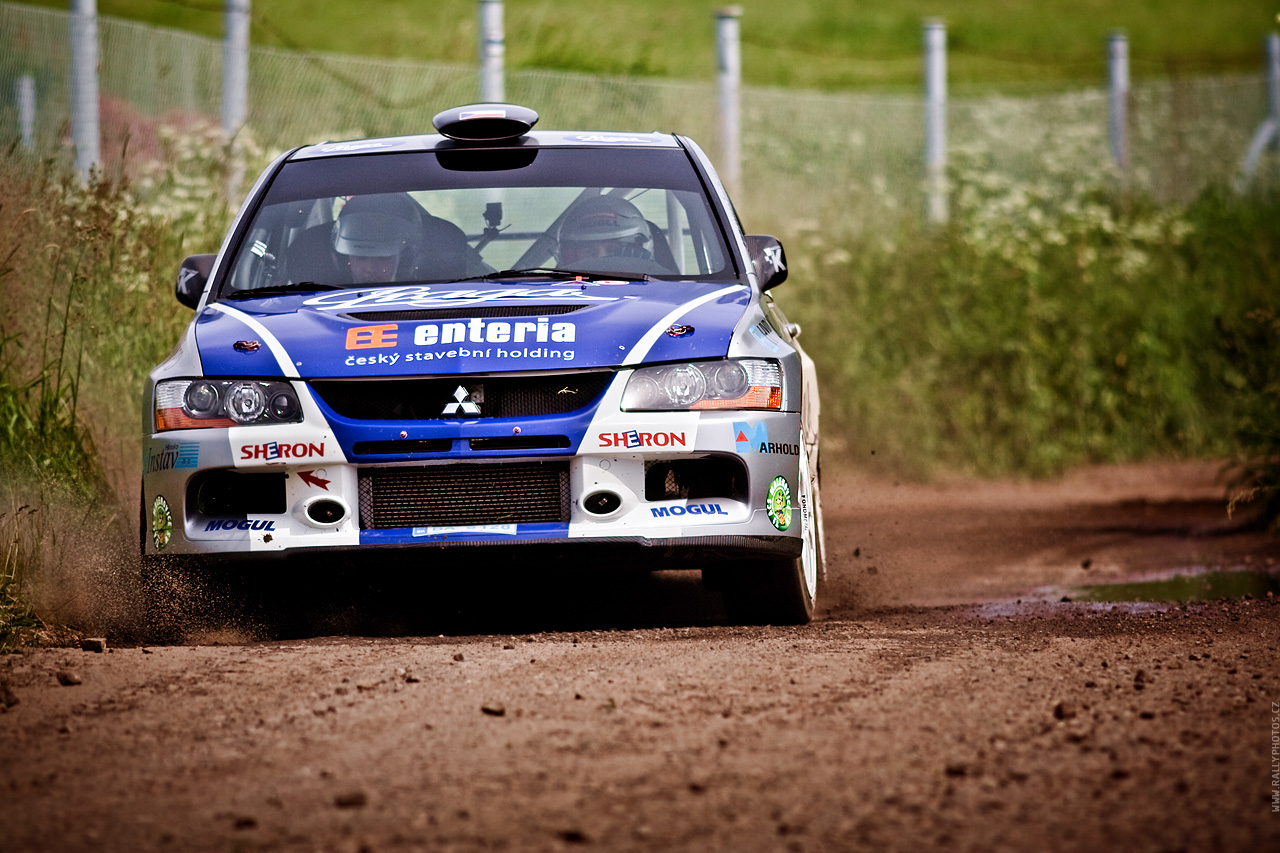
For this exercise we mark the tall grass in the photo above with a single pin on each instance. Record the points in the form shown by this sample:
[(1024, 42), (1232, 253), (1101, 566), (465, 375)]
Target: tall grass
[(1040, 329), (86, 283), (1250, 346), (17, 617)]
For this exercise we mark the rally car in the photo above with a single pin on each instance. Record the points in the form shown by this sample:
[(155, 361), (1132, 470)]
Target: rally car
[(492, 337)]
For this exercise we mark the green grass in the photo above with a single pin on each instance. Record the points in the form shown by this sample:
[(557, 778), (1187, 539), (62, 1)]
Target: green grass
[(1249, 345), (17, 617), (86, 281), (818, 44)]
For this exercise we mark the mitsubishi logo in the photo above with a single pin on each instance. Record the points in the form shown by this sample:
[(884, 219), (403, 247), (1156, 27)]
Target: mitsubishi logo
[(463, 404)]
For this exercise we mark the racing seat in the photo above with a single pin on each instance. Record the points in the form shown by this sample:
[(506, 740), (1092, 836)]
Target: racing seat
[(310, 257), (443, 254), (661, 248)]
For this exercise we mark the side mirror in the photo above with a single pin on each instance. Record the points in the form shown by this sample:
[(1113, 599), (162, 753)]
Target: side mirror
[(769, 258), (193, 275)]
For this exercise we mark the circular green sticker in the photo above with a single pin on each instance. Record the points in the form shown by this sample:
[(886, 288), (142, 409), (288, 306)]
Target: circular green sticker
[(778, 503), (161, 523)]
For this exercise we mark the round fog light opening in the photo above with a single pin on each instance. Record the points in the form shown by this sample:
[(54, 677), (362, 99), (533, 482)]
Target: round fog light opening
[(326, 512), (601, 503)]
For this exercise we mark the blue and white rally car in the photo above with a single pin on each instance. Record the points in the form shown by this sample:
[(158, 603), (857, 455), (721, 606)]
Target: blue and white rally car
[(489, 337)]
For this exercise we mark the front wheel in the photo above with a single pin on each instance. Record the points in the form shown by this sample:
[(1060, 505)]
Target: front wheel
[(782, 592)]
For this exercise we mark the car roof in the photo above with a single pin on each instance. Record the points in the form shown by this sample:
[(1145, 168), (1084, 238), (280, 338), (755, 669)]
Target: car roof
[(537, 138)]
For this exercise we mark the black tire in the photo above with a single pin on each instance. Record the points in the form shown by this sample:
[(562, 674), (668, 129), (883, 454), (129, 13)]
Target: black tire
[(767, 593), (180, 593), (781, 592), (158, 616)]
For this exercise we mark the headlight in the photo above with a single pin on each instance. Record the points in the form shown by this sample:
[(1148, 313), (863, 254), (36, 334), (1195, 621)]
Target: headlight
[(208, 403), (741, 383)]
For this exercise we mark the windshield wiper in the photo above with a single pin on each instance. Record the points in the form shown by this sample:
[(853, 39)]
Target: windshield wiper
[(283, 290), (558, 273)]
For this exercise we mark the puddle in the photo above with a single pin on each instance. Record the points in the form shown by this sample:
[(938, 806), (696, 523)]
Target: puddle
[(1178, 588), (1148, 593)]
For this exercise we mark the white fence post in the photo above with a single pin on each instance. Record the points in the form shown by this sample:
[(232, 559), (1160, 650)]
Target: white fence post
[(235, 67), (25, 93), (1118, 74), (1268, 133), (493, 51), (729, 63), (235, 86), (84, 84), (1273, 85), (935, 119)]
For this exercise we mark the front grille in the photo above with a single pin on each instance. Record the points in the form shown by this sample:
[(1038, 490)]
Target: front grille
[(428, 399), (455, 495), (464, 313)]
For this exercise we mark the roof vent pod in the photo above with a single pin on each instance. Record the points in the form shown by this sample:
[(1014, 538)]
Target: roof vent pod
[(485, 122)]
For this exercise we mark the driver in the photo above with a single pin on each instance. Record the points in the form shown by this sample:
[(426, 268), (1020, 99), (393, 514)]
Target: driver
[(603, 227), (371, 234)]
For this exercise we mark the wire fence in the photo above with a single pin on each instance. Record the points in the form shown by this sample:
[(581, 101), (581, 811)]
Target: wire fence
[(806, 156)]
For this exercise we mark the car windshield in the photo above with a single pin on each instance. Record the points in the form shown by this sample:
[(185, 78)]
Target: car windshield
[(459, 214)]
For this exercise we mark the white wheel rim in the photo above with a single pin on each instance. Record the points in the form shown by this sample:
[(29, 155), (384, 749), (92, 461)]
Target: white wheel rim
[(809, 531)]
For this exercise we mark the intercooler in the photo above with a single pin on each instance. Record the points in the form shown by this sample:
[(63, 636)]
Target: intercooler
[(460, 494)]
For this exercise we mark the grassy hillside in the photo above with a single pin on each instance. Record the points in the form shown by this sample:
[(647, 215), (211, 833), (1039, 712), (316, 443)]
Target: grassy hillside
[(820, 44)]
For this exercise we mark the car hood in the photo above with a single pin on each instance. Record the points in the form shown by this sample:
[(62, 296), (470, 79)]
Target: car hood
[(469, 328)]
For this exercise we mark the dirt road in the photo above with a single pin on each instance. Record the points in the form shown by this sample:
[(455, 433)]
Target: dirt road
[(948, 699)]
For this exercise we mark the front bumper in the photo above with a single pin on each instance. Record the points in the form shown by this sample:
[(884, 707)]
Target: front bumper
[(695, 484)]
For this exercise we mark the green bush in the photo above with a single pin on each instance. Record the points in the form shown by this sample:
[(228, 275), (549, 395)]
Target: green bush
[(1251, 347), (1039, 329)]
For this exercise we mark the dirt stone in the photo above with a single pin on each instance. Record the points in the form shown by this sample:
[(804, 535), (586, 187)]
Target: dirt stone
[(950, 700)]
